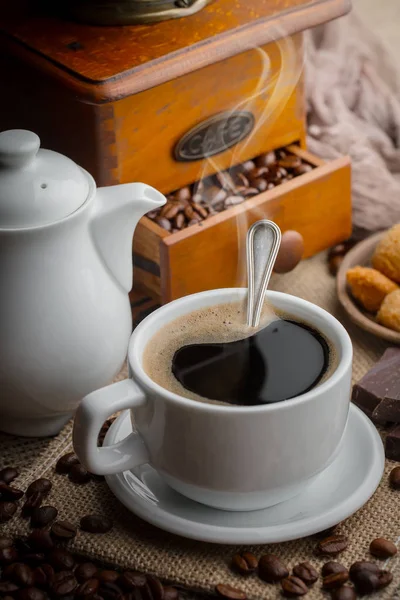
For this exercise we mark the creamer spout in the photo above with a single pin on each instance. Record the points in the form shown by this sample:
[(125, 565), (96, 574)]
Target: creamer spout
[(117, 210)]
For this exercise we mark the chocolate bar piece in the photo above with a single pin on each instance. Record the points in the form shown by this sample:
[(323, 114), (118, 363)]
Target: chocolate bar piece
[(392, 446), (387, 410), (378, 392)]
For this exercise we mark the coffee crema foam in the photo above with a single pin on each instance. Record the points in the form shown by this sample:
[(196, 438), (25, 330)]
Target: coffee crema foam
[(217, 323)]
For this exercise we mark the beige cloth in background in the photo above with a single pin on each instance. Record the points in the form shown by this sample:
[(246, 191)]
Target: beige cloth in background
[(353, 107), (199, 566)]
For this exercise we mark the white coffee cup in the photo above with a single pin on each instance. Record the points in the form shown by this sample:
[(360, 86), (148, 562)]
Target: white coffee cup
[(228, 457)]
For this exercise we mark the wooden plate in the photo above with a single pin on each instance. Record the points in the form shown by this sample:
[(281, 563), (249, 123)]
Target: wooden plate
[(361, 255)]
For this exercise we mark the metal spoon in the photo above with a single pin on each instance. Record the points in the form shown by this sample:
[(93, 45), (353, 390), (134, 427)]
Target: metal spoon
[(262, 245)]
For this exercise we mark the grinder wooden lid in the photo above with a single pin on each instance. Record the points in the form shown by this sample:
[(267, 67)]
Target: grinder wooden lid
[(102, 64)]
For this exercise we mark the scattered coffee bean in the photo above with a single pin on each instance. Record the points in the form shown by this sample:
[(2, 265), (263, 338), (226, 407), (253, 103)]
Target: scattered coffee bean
[(189, 212), (201, 211), (31, 593), (183, 194), (43, 516), (64, 530), (170, 211), (230, 593), (131, 580), (233, 201), (78, 474), (332, 567), (96, 524), (170, 593), (344, 593), (164, 209), (244, 563), (110, 591), (335, 580), (337, 253), (66, 462), (251, 191), (156, 588), (302, 169), (394, 478), (271, 569), (85, 571), (334, 263), (5, 542), (293, 587), (248, 166), (8, 587), (164, 223), (9, 493), (40, 540), (306, 572), (7, 511), (43, 575), (31, 503), (108, 576), (22, 575), (333, 545), (198, 196), (225, 180), (366, 583), (61, 560), (63, 583), (382, 548), (8, 474), (258, 172), (365, 576), (8, 555), (290, 162), (243, 180), (264, 160), (339, 250), (179, 221), (40, 485), (87, 589), (259, 183), (362, 565)]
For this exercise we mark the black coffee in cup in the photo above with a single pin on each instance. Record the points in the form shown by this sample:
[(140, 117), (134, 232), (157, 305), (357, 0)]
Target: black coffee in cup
[(211, 355), (280, 361)]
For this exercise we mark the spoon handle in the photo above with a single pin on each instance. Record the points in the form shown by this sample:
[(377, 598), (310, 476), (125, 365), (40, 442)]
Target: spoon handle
[(262, 244)]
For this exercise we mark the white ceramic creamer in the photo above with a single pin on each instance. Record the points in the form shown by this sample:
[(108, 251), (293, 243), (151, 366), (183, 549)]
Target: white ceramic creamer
[(65, 273)]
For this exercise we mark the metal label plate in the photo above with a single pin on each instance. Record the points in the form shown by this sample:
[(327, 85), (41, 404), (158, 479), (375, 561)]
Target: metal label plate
[(214, 135)]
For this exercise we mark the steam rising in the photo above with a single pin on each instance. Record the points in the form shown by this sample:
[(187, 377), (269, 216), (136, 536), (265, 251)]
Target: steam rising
[(277, 89)]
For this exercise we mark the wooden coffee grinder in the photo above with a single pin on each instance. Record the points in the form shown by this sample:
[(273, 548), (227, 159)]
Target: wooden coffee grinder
[(132, 93)]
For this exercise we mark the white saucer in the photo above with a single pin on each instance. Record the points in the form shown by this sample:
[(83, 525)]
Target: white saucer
[(336, 494)]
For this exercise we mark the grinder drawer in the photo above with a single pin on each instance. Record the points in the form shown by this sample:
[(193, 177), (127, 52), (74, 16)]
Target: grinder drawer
[(211, 254)]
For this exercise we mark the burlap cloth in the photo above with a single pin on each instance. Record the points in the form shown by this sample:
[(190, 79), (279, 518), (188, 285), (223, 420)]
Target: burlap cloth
[(199, 566)]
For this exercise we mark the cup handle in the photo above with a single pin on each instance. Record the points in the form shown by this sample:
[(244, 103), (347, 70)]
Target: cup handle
[(93, 411)]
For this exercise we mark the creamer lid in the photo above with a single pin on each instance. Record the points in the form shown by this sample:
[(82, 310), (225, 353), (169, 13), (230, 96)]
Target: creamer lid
[(37, 186)]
